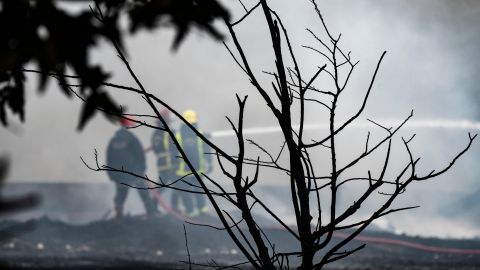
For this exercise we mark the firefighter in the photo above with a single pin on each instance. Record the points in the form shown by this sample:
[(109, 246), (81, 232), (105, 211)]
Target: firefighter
[(195, 149), (125, 152), (165, 150)]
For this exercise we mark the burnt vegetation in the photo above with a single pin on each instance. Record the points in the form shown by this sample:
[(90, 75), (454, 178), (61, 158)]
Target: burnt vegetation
[(313, 187)]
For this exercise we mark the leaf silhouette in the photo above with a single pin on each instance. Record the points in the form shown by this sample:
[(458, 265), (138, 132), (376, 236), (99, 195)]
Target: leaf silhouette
[(98, 101), (88, 111), (39, 31)]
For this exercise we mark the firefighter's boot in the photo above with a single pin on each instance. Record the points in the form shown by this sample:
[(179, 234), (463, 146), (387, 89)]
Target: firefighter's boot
[(118, 211)]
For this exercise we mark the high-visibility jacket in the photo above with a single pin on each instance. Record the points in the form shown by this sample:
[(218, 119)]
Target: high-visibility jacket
[(194, 149), (165, 150)]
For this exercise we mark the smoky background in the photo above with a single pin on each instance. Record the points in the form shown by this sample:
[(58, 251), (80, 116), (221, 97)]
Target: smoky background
[(431, 67)]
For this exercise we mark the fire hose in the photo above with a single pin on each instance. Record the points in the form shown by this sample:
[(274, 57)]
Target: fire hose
[(338, 235), (447, 124)]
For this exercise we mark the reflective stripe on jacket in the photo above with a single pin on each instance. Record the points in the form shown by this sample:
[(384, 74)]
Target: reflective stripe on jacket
[(192, 145), (165, 151), (162, 147)]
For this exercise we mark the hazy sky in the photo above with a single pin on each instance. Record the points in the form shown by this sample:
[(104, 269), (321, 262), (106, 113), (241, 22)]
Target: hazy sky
[(431, 66)]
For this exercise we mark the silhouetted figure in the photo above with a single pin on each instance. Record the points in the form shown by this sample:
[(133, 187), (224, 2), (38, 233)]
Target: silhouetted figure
[(194, 148), (125, 152), (165, 150), (18, 202)]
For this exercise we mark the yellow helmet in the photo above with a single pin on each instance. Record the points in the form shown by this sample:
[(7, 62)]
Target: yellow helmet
[(190, 116)]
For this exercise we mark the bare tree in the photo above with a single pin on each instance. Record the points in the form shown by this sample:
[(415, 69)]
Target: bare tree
[(307, 185)]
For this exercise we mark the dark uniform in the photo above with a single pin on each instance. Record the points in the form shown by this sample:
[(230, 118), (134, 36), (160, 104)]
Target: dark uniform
[(126, 152)]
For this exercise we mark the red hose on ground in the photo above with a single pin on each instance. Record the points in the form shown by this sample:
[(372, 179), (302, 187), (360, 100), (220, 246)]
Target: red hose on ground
[(167, 207), (408, 244), (367, 239)]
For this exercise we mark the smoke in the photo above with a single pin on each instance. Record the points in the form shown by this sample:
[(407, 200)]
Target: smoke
[(430, 67)]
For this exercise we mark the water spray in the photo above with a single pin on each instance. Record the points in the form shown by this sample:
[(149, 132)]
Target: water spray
[(422, 124)]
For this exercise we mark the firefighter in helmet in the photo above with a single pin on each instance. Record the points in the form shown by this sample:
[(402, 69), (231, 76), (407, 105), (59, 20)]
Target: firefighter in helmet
[(165, 150), (195, 150), (125, 153)]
